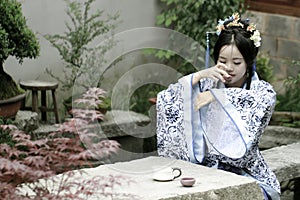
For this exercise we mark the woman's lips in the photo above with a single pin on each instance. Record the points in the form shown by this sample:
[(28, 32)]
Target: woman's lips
[(228, 78)]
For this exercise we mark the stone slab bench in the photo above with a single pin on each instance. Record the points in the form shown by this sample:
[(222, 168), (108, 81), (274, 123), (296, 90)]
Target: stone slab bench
[(285, 162), (129, 128), (275, 136)]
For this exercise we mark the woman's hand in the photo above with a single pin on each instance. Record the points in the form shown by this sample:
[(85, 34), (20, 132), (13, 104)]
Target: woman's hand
[(202, 99), (217, 72)]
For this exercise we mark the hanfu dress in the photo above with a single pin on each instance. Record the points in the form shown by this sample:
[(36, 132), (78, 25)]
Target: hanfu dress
[(223, 134)]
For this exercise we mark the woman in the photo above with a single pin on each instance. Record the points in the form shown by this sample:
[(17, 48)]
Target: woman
[(216, 116)]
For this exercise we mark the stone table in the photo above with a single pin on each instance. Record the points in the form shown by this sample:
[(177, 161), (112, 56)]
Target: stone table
[(210, 183)]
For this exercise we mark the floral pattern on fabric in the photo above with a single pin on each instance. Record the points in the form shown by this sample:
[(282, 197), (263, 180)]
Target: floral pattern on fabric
[(171, 139), (255, 107)]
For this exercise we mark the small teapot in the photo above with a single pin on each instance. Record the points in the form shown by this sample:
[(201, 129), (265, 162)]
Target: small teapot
[(167, 174)]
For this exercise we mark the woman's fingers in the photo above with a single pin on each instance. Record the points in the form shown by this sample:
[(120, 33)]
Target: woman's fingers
[(203, 99), (217, 76), (218, 72), (224, 67), (224, 73)]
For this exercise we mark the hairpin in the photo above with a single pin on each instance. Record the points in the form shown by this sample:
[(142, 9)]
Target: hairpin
[(234, 20)]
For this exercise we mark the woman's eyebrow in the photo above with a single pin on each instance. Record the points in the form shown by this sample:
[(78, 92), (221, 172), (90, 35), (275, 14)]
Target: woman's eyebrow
[(222, 57), (237, 58)]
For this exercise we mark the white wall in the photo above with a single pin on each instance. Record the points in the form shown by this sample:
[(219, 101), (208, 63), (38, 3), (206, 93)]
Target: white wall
[(48, 16)]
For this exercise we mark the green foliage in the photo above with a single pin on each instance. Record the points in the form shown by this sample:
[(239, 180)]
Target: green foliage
[(16, 39), (105, 104), (5, 137), (263, 67), (192, 18), (290, 101), (195, 17), (76, 46), (139, 101)]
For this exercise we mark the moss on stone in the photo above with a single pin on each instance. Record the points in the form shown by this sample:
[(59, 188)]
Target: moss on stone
[(8, 88)]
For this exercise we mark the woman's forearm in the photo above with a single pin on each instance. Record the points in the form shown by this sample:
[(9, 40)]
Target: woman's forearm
[(196, 77)]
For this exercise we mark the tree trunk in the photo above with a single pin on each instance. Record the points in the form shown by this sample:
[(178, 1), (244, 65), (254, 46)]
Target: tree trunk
[(8, 87)]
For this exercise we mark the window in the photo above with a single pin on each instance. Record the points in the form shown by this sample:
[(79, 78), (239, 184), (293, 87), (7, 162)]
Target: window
[(284, 7)]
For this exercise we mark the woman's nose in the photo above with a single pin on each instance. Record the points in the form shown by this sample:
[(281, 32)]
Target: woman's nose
[(229, 68)]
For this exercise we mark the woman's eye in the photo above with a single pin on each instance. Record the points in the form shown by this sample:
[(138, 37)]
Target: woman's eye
[(223, 62), (237, 63)]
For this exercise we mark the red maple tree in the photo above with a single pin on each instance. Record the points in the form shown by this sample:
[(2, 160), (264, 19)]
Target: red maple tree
[(25, 160)]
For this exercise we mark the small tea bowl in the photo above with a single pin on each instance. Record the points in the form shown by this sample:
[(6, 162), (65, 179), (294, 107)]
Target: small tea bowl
[(187, 181)]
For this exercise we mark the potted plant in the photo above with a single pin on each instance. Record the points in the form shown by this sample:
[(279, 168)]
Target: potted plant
[(77, 49), (18, 40)]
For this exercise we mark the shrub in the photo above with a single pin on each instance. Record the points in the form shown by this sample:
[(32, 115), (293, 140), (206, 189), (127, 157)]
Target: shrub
[(290, 100), (25, 161), (76, 45), (192, 18), (263, 67)]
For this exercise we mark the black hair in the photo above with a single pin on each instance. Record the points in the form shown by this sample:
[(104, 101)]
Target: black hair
[(240, 37)]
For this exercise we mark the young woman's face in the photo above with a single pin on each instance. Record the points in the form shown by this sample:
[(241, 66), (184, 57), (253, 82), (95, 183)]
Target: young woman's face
[(237, 67)]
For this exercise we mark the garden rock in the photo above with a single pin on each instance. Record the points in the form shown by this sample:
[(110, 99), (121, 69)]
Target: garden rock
[(27, 121)]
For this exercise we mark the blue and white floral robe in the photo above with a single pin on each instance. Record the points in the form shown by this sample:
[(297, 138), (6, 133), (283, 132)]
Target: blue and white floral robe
[(223, 133)]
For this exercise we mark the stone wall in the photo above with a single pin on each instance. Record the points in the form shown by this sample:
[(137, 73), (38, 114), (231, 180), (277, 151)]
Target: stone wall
[(281, 39)]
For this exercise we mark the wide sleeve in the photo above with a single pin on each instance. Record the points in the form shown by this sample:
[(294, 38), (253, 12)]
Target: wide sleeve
[(178, 132), (170, 129), (249, 111)]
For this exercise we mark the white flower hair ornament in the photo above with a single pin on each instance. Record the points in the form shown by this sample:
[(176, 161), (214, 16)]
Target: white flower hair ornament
[(235, 21), (256, 38)]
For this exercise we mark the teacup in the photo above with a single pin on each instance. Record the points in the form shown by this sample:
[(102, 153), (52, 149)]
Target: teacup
[(187, 181), (167, 174)]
